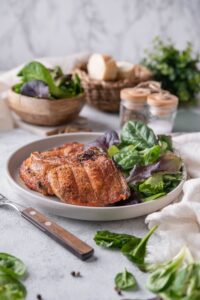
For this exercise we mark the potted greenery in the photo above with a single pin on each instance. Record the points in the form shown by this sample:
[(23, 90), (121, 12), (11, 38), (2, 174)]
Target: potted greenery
[(177, 70)]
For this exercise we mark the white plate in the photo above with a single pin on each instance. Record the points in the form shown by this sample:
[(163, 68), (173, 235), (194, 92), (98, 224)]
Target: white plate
[(52, 204)]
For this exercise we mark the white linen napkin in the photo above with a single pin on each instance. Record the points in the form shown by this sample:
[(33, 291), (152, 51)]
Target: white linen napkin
[(10, 78), (179, 223)]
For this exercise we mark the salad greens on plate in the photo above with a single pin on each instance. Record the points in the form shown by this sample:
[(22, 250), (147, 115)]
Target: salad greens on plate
[(150, 166), (40, 82)]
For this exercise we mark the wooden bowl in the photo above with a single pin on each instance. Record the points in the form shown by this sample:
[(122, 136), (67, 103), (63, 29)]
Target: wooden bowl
[(44, 111)]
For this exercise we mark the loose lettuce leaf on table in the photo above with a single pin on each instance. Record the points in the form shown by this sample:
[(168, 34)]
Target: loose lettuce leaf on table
[(12, 265), (11, 288), (113, 240), (125, 281), (138, 134), (176, 279), (137, 253), (131, 246)]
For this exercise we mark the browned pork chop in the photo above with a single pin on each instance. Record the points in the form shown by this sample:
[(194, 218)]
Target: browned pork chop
[(88, 178), (34, 169)]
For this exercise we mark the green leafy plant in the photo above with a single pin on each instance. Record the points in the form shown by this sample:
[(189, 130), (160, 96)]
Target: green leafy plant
[(177, 70), (125, 281), (11, 270), (38, 81)]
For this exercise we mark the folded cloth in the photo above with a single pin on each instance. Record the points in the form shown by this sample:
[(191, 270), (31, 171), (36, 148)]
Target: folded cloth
[(179, 223), (10, 78)]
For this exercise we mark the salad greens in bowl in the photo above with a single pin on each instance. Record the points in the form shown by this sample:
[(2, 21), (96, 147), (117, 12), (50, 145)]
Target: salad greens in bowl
[(40, 82), (149, 163), (46, 96)]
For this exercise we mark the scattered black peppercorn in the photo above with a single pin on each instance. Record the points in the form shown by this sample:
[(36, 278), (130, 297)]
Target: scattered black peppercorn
[(76, 274), (119, 292), (39, 297)]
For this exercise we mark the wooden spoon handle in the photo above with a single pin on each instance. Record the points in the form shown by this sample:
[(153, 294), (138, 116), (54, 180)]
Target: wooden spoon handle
[(58, 233)]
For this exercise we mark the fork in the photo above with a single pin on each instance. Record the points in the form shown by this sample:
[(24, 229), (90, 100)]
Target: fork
[(56, 232)]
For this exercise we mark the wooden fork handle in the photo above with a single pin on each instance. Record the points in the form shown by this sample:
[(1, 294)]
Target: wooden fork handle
[(58, 233)]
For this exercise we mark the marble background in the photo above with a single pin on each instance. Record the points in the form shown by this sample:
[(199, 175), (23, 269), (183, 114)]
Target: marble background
[(123, 28)]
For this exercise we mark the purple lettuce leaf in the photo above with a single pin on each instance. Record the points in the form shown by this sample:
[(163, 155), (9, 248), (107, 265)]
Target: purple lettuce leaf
[(168, 163), (108, 139), (36, 88)]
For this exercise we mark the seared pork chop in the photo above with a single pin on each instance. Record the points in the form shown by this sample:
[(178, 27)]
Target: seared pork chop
[(75, 176), (34, 169)]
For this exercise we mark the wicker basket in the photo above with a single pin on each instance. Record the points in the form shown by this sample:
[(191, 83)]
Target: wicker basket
[(105, 95)]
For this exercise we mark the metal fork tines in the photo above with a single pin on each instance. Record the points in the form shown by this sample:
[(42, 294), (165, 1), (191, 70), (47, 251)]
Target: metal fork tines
[(5, 201), (2, 197)]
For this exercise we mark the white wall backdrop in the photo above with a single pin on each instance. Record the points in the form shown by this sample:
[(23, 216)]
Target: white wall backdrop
[(123, 28)]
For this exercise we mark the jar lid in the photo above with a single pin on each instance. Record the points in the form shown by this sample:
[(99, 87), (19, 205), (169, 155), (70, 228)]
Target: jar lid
[(135, 94), (162, 100), (153, 86)]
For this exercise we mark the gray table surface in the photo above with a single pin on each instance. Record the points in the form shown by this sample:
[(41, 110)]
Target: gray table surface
[(49, 265)]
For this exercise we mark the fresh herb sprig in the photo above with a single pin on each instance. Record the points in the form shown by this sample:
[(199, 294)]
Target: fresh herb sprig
[(177, 70)]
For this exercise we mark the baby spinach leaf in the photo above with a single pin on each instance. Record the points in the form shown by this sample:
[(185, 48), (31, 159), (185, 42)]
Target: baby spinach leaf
[(37, 71), (137, 252), (113, 240), (125, 281), (186, 283), (12, 265), (163, 276), (153, 185), (138, 134), (11, 288), (127, 157), (150, 155), (59, 85)]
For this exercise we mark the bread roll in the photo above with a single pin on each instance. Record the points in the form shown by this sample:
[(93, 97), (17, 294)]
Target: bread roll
[(125, 70), (102, 67)]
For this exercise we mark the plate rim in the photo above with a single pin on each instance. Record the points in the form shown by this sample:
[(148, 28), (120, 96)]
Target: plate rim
[(30, 192)]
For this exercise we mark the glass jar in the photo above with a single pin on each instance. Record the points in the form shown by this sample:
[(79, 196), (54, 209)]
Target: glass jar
[(162, 112), (133, 105)]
